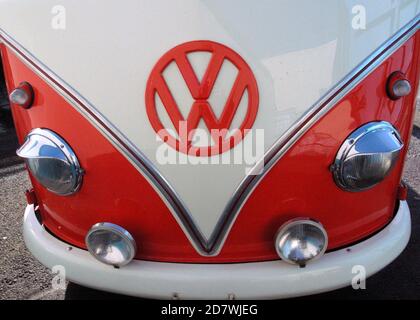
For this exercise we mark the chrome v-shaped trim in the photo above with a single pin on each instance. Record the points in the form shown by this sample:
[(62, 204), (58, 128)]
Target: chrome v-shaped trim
[(118, 139), (212, 246), (302, 125)]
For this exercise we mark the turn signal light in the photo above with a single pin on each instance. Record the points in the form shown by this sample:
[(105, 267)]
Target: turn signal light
[(398, 86), (23, 95)]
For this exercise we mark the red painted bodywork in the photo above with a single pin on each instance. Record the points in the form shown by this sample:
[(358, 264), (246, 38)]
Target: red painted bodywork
[(299, 185)]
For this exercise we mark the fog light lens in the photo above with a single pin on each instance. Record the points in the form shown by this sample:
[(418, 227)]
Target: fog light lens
[(111, 244), (367, 156), (51, 161), (300, 241)]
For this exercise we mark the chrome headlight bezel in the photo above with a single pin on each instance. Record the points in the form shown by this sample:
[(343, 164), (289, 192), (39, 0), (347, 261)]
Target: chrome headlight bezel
[(44, 144), (381, 138)]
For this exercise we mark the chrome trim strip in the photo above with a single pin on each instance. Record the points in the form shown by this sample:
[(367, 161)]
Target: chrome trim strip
[(179, 210), (118, 139), (289, 138)]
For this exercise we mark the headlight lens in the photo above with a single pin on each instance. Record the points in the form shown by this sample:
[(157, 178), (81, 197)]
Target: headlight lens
[(300, 241), (51, 161), (111, 244), (367, 156)]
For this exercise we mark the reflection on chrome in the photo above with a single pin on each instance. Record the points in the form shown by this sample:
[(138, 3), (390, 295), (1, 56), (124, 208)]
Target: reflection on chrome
[(367, 156), (52, 162)]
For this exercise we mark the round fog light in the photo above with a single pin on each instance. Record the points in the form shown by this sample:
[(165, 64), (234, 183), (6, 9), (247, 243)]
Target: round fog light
[(300, 241), (111, 244)]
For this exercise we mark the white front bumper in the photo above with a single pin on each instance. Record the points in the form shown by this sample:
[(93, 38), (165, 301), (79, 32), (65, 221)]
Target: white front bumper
[(275, 279)]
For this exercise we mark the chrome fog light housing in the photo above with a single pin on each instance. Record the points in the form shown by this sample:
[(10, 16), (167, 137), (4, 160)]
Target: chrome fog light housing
[(51, 161), (111, 244), (300, 241), (367, 156)]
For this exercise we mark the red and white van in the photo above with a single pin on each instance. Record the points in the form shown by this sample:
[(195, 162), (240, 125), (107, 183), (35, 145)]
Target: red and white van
[(211, 148)]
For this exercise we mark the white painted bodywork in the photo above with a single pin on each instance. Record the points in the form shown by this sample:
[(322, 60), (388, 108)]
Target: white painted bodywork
[(261, 280), (297, 50)]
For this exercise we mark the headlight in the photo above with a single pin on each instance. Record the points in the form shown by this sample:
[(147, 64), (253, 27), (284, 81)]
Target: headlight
[(367, 156), (300, 241), (111, 244), (51, 161)]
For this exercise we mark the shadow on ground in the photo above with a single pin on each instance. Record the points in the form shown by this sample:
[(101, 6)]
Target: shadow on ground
[(416, 132), (8, 140)]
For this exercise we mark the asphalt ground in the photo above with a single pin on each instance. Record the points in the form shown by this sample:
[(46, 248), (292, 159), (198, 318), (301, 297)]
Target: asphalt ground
[(22, 277)]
